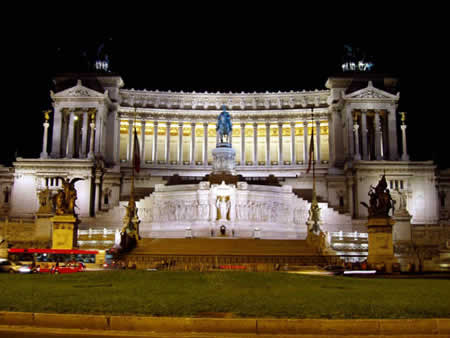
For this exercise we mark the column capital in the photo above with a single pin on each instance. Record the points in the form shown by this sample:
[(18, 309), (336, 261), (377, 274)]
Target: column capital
[(193, 124), (155, 123), (268, 124), (305, 123), (255, 125), (292, 124), (180, 124), (242, 124), (280, 124)]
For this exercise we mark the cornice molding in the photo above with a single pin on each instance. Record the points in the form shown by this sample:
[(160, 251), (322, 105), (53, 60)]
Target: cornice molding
[(232, 101)]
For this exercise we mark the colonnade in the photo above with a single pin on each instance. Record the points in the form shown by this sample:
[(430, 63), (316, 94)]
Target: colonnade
[(193, 142), (76, 134)]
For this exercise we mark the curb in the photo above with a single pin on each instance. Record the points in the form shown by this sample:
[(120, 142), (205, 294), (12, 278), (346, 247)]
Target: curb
[(374, 327)]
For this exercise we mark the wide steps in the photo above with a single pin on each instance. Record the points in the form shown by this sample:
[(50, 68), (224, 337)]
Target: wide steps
[(219, 247)]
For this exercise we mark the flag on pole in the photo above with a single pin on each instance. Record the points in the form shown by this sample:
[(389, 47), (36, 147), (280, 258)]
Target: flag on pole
[(311, 150), (136, 153)]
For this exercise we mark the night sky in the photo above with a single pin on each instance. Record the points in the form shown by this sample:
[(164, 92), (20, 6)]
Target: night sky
[(224, 53)]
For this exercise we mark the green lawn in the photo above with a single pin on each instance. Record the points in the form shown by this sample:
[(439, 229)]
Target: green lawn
[(240, 294)]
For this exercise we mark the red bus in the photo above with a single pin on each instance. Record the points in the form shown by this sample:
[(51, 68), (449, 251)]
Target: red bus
[(46, 259)]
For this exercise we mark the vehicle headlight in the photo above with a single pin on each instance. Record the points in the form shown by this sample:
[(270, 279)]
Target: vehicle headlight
[(24, 269)]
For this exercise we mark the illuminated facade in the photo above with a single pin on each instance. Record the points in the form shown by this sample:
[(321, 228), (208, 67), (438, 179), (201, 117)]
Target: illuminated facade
[(358, 136)]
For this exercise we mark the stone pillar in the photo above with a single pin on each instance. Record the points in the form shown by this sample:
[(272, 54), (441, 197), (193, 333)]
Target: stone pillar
[(405, 156), (84, 135), (293, 155), (155, 143), (92, 140), (180, 143), (69, 153), (392, 135), (305, 142), (130, 140), (377, 129), (192, 143), (44, 153), (365, 154), (255, 143), (99, 133), (205, 143), (242, 160), (57, 129), (317, 149), (349, 131), (268, 144), (357, 156), (167, 150), (142, 142), (116, 155), (280, 143)]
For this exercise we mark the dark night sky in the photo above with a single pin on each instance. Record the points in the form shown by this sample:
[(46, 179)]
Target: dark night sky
[(236, 51)]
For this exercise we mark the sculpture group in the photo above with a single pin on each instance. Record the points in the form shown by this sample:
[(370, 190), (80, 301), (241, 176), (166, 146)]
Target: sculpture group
[(63, 202), (380, 201)]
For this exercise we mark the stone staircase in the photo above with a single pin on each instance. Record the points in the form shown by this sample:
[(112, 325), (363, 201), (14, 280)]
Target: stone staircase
[(205, 253)]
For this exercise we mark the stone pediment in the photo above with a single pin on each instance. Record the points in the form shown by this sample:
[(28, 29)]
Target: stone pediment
[(370, 93), (79, 92)]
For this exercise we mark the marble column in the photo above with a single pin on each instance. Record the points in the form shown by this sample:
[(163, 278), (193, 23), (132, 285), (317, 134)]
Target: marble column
[(130, 140), (99, 132), (255, 143), (405, 156), (57, 129), (167, 150), (268, 144), (242, 144), (293, 155), (205, 143), (180, 143), (84, 135), (280, 143), (44, 153), (365, 154), (317, 148), (392, 134), (357, 156), (155, 143), (116, 148), (349, 131), (377, 129), (305, 142), (70, 145), (142, 142), (193, 143), (91, 140)]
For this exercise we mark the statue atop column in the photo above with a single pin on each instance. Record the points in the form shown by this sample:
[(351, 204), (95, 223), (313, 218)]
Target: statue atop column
[(224, 127)]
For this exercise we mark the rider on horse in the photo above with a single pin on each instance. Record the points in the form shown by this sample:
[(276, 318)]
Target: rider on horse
[(224, 127)]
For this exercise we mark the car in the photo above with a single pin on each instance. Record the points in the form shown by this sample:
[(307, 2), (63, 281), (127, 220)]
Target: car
[(11, 267), (66, 268)]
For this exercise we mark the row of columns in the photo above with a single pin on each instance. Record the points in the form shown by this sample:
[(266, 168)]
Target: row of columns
[(205, 142), (392, 135), (65, 135)]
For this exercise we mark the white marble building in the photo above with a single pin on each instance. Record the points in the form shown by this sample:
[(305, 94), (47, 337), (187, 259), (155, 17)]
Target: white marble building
[(358, 135)]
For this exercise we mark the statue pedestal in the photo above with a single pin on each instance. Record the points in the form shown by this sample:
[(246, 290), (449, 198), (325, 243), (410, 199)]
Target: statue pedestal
[(224, 159), (224, 165), (381, 249), (64, 234)]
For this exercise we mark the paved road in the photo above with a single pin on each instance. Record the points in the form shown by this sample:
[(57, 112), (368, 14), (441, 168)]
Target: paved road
[(33, 332)]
